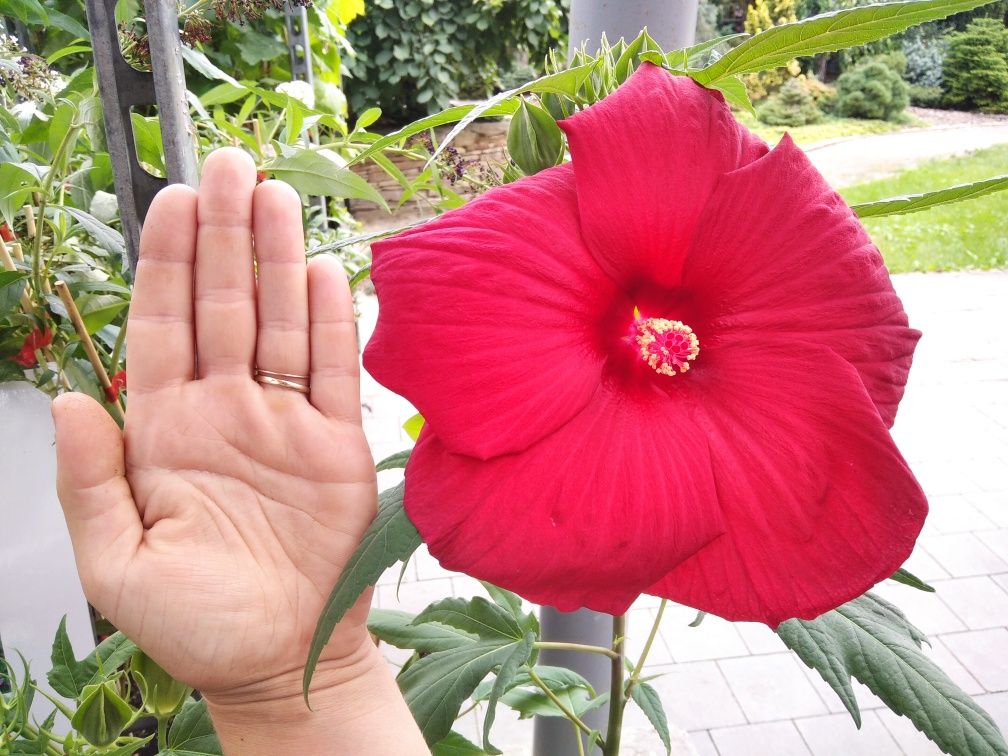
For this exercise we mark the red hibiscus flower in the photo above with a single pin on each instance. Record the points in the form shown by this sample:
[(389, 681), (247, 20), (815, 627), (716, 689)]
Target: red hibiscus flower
[(5, 233), (667, 367), (33, 342), (116, 384)]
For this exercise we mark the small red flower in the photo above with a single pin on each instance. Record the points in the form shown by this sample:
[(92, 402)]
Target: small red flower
[(6, 234), (667, 367), (261, 176), (117, 383), (33, 342)]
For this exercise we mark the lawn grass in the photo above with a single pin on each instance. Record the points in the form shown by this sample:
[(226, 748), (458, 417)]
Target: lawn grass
[(828, 128), (964, 235)]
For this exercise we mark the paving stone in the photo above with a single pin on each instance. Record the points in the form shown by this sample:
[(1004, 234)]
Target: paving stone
[(996, 704), (924, 566), (979, 602), (696, 696), (759, 638), (415, 596), (928, 611), (837, 735), (984, 653), (771, 687), (866, 700), (954, 514), (639, 624), (939, 653), (996, 540), (994, 506), (769, 739), (714, 638), (963, 555), (911, 740)]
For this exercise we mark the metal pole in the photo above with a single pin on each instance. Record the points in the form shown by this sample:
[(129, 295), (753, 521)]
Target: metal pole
[(672, 23), (122, 88)]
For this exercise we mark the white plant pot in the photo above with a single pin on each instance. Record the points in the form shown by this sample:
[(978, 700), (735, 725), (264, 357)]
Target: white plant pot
[(38, 577)]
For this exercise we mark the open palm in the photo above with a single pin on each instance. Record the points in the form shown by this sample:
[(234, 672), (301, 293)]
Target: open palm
[(212, 536)]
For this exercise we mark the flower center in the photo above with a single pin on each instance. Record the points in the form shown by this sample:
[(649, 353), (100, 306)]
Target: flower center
[(667, 346)]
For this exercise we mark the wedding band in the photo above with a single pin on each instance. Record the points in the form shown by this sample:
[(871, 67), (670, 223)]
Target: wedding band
[(269, 378)]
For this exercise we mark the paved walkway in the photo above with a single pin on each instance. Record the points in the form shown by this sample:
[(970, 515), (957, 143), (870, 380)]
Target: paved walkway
[(733, 687), (855, 159)]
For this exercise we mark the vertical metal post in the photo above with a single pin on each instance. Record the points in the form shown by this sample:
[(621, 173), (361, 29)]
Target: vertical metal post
[(672, 23), (122, 87)]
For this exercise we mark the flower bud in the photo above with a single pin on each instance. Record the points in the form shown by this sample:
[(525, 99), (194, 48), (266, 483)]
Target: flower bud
[(163, 695), (102, 714)]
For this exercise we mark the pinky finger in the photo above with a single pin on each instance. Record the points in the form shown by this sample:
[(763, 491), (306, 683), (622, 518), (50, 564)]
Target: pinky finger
[(335, 365)]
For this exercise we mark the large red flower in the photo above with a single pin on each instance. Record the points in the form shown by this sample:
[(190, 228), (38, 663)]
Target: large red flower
[(667, 367)]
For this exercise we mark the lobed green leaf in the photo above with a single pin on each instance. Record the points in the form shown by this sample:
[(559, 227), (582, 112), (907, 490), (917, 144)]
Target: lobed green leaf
[(650, 703), (827, 32), (913, 203)]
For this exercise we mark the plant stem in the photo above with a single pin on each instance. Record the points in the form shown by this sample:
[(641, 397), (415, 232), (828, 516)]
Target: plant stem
[(162, 733), (563, 707), (635, 675), (118, 346), (578, 647), (577, 736), (34, 734), (616, 699)]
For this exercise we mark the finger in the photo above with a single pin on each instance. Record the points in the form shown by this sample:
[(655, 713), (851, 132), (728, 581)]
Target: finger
[(335, 370), (160, 349), (99, 509), (225, 282), (282, 281)]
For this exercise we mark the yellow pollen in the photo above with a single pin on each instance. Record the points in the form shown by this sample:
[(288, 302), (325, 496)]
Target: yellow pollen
[(667, 346)]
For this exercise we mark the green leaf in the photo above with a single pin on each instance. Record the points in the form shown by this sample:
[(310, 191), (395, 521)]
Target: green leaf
[(366, 118), (256, 48), (201, 63), (315, 175), (566, 82), (535, 703), (192, 732), (15, 185), (29, 11), (555, 678), (70, 25), (735, 92), (476, 615), (870, 640), (451, 115), (397, 629), (456, 745), (504, 599), (690, 57), (913, 203), (650, 703), (502, 683), (413, 426), (105, 235), (69, 677), (149, 144), (102, 715), (98, 310), (828, 32), (436, 685), (12, 285), (394, 461), (534, 140), (389, 539), (908, 578)]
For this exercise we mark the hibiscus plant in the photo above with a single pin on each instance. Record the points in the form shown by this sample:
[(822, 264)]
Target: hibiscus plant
[(640, 372)]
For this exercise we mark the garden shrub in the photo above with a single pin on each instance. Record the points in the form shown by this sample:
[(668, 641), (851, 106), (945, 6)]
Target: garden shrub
[(793, 105), (415, 56), (926, 97), (871, 89), (924, 58), (760, 16), (975, 73)]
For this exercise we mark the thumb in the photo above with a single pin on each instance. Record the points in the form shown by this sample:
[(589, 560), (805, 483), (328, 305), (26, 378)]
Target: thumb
[(101, 515)]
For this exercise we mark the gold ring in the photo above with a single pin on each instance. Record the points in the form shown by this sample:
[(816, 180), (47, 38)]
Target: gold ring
[(283, 380), (285, 376)]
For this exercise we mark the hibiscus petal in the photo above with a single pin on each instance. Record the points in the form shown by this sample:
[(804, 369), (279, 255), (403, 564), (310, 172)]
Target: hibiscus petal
[(487, 316), (589, 516), (818, 502), (646, 158), (778, 251)]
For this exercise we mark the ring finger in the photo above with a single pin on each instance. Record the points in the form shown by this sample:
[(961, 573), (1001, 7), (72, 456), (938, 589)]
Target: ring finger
[(282, 293)]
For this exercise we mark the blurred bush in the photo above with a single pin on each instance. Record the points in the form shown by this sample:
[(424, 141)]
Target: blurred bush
[(793, 105), (872, 89), (975, 73)]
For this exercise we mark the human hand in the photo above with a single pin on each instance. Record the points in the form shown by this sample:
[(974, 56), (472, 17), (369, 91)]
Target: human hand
[(214, 534)]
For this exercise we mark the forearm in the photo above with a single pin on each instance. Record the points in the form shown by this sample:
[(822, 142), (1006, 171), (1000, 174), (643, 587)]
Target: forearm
[(356, 709)]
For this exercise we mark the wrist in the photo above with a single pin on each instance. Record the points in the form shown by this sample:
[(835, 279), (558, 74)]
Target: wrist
[(353, 699)]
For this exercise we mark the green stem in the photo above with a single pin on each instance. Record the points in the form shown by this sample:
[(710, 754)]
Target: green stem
[(44, 195), (635, 675), (117, 347), (616, 699), (580, 743), (563, 708), (577, 647), (162, 733), (35, 734), (63, 709)]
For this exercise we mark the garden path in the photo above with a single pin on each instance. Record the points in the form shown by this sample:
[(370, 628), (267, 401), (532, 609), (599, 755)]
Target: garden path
[(850, 160), (733, 687)]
